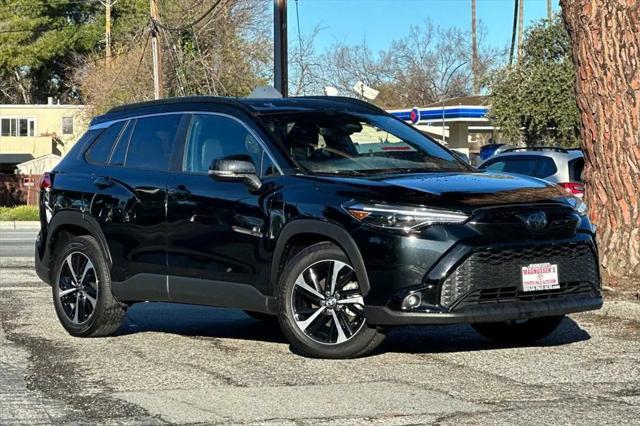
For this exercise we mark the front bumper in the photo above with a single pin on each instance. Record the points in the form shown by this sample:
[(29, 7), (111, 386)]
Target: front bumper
[(465, 275), (382, 315)]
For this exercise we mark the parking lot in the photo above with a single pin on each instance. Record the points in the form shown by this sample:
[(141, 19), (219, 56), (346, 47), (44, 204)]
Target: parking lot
[(190, 364)]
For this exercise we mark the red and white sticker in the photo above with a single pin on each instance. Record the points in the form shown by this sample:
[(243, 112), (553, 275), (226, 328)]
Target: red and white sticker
[(540, 276)]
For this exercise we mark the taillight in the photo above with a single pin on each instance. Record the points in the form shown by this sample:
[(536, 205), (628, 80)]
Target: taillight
[(45, 182), (573, 188)]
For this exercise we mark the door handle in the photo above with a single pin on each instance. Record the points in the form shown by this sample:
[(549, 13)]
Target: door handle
[(180, 192), (102, 182)]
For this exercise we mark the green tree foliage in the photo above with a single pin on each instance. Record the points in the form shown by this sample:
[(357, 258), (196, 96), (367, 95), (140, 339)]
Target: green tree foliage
[(38, 41), (534, 101)]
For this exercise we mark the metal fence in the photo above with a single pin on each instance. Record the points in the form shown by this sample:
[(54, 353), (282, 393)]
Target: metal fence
[(16, 190)]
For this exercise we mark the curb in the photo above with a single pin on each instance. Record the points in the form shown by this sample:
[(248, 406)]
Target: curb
[(17, 224)]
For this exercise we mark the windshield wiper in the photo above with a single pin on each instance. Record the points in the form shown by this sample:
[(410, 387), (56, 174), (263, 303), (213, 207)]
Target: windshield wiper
[(403, 170), (338, 172)]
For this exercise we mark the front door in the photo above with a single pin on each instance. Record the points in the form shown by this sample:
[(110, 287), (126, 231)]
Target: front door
[(217, 230)]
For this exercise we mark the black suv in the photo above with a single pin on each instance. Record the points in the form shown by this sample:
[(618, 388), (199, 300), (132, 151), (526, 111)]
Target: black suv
[(326, 212)]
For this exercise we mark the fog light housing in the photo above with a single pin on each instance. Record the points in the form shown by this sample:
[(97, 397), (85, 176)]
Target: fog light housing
[(411, 301)]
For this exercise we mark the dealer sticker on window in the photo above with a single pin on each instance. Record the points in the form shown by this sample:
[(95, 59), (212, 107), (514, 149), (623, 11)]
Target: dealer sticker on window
[(540, 276)]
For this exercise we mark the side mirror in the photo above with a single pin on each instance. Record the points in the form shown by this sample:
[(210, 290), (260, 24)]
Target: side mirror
[(231, 170)]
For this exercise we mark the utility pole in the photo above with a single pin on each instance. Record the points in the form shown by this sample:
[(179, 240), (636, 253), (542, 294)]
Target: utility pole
[(280, 53), (474, 50), (108, 4), (107, 57), (549, 10), (155, 47), (513, 31), (520, 29)]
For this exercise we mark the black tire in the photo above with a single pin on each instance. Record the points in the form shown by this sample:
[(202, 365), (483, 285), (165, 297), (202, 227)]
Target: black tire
[(107, 314), (526, 331), (360, 343)]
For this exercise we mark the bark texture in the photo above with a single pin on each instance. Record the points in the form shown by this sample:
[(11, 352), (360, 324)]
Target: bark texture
[(606, 48)]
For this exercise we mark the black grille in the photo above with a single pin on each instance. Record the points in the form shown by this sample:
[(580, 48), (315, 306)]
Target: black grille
[(509, 224), (498, 272)]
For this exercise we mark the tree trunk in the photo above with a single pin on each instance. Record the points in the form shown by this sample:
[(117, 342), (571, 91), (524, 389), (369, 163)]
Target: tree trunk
[(606, 48), (26, 97)]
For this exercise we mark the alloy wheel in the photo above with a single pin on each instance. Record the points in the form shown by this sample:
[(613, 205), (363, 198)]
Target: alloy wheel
[(327, 302), (78, 287)]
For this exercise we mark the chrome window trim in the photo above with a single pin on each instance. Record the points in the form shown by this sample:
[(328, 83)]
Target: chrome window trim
[(106, 124)]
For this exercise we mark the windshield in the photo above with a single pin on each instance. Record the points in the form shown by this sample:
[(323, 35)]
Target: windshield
[(357, 144)]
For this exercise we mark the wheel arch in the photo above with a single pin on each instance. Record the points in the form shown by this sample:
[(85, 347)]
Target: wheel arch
[(75, 223), (305, 232)]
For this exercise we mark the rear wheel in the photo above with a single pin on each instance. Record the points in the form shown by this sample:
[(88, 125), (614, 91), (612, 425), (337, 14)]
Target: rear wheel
[(321, 307), (524, 331), (82, 290)]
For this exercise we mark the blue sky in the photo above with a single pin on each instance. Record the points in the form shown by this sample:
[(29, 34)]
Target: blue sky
[(380, 21)]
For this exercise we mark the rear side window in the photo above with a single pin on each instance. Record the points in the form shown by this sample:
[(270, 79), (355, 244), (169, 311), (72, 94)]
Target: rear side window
[(99, 152), (519, 166), (540, 167), (546, 167), (152, 141), (575, 169)]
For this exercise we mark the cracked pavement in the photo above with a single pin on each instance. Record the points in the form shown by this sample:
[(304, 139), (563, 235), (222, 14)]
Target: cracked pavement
[(192, 364)]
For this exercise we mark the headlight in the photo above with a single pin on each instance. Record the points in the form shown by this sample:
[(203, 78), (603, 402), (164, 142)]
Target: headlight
[(404, 218), (579, 206)]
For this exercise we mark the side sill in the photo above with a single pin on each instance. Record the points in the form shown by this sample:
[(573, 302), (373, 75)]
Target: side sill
[(140, 288), (194, 291), (222, 294)]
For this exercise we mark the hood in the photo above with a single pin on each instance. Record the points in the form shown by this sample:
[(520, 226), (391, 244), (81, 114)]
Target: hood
[(458, 190)]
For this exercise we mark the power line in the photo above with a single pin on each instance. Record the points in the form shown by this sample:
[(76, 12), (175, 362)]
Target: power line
[(144, 49), (175, 61), (58, 2), (298, 21), (187, 26)]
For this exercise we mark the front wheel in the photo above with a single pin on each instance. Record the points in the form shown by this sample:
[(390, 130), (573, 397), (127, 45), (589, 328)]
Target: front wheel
[(524, 331), (321, 307)]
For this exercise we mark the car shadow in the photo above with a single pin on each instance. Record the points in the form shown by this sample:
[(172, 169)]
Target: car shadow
[(208, 322), (198, 321), (463, 338)]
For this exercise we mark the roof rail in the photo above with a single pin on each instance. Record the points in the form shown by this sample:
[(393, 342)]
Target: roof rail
[(346, 99), (539, 148), (174, 100)]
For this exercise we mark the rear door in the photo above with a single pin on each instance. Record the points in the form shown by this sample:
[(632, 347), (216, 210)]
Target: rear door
[(130, 204)]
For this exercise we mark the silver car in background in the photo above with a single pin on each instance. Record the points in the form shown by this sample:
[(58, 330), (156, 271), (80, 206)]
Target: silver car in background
[(562, 166)]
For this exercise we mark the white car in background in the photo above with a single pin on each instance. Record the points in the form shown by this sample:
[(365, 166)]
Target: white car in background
[(562, 166)]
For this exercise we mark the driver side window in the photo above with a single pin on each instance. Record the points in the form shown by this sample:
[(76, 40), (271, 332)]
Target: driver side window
[(214, 137)]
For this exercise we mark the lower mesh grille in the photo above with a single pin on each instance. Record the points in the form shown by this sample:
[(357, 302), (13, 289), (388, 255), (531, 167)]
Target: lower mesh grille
[(513, 294), (495, 274)]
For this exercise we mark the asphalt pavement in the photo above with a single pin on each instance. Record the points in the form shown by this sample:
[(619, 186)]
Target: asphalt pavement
[(192, 364), (17, 242)]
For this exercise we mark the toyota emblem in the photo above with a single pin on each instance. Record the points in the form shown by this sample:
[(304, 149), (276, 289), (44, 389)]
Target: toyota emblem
[(537, 221)]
